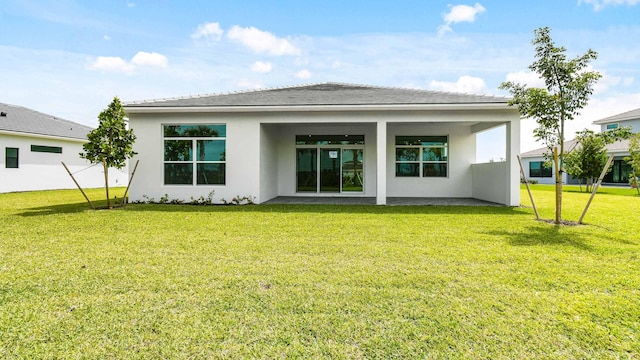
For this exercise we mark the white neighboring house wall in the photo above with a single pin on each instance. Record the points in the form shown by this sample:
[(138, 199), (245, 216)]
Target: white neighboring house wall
[(44, 171), (526, 161)]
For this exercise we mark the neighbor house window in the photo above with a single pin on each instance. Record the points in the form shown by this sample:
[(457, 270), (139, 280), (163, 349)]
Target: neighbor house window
[(11, 158), (612, 126), (194, 154), (421, 156), (539, 169), (46, 149)]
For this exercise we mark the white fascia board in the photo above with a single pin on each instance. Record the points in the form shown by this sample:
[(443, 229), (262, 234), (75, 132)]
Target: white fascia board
[(41, 136), (615, 119), (132, 109)]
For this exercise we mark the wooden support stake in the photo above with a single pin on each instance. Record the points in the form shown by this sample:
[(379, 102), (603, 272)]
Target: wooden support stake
[(124, 198), (595, 187), (558, 174), (524, 178), (74, 180)]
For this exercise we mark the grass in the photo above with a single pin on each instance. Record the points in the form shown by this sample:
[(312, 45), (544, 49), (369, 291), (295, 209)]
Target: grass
[(318, 281)]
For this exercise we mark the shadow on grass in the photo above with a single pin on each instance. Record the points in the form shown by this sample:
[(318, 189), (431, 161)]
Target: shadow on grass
[(284, 208), (544, 234), (66, 209)]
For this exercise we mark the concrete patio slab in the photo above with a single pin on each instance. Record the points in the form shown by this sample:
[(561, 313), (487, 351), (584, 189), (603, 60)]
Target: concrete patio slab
[(391, 201)]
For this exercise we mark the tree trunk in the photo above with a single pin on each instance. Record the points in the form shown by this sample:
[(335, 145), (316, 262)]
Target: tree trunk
[(106, 181), (556, 164)]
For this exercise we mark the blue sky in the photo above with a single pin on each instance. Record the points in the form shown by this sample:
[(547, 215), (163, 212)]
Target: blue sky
[(69, 58)]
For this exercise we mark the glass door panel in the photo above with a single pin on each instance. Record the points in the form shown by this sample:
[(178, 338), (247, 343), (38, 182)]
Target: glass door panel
[(307, 170), (352, 175), (329, 170)]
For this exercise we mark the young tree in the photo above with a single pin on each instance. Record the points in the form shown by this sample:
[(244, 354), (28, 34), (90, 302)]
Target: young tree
[(567, 89), (111, 143), (634, 160), (589, 156)]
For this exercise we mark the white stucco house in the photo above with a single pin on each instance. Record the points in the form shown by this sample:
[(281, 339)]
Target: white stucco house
[(326, 140), (534, 161), (34, 144)]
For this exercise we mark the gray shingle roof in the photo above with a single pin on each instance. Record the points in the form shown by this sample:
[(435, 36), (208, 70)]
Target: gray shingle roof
[(322, 94), (629, 115), (621, 146), (22, 120)]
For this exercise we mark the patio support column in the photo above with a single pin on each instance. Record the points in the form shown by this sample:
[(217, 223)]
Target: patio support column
[(381, 163), (513, 174)]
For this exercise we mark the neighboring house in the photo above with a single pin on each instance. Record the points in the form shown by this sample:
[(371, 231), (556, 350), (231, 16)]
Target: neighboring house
[(534, 162), (328, 139), (34, 144)]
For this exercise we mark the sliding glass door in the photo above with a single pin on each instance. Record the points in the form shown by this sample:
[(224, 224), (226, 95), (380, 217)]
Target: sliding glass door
[(329, 169)]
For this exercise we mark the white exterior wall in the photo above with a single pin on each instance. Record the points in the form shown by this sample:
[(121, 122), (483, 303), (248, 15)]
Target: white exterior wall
[(462, 153), (269, 168), (635, 125), (490, 182), (44, 171), (242, 158), (260, 151)]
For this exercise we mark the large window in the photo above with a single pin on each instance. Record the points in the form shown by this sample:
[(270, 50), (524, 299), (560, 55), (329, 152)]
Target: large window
[(421, 156), (619, 173), (539, 169), (194, 154), (11, 158)]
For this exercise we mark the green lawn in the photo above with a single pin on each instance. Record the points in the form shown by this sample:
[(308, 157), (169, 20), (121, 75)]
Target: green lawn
[(313, 281)]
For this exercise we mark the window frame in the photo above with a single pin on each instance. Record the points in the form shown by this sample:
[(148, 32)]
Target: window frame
[(196, 144), (46, 149), (542, 173), (7, 158), (419, 162), (612, 126)]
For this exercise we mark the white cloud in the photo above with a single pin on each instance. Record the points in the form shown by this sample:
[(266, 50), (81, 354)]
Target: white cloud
[(249, 84), (262, 41), (600, 4), (528, 78), (118, 64), (150, 59), (303, 74), (111, 63), (460, 13), (261, 67), (208, 30), (627, 81), (130, 4), (465, 84), (107, 37)]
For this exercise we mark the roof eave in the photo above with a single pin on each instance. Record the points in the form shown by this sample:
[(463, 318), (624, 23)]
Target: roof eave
[(133, 109), (42, 136)]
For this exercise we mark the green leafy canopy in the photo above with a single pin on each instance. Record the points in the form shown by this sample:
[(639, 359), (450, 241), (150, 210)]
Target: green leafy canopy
[(589, 156), (567, 88), (111, 142)]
